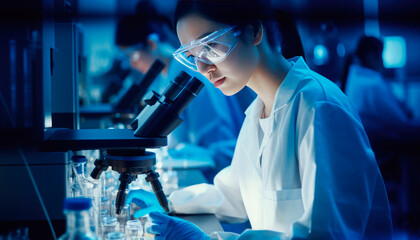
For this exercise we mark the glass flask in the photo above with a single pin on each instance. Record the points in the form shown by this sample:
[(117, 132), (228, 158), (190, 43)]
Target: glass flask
[(77, 214)]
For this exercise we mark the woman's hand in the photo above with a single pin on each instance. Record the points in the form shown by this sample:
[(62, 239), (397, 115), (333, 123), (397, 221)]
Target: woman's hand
[(147, 201), (173, 228)]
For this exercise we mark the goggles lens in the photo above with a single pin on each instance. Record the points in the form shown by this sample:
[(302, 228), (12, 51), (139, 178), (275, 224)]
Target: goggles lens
[(211, 49), (133, 52)]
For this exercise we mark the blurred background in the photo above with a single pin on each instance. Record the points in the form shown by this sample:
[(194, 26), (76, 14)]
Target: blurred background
[(62, 68)]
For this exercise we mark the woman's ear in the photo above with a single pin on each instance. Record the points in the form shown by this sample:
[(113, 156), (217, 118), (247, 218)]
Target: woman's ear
[(151, 44), (257, 28)]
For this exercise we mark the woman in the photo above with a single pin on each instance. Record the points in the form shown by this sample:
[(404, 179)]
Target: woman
[(303, 166)]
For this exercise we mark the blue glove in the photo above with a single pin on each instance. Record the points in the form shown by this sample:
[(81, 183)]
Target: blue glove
[(173, 228), (147, 201)]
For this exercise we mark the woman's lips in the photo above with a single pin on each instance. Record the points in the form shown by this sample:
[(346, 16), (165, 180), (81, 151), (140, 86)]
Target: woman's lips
[(219, 82)]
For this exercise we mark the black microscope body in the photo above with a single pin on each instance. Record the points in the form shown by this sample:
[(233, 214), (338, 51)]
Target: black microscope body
[(126, 148), (159, 118)]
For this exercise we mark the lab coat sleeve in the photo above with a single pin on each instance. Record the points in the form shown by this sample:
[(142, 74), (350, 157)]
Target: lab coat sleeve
[(196, 199), (338, 174), (248, 235), (232, 209), (222, 199)]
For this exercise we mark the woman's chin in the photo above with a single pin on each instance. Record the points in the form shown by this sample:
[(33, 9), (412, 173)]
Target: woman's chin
[(229, 91)]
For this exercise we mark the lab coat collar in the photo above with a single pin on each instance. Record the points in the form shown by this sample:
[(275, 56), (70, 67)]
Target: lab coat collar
[(284, 92), (298, 70)]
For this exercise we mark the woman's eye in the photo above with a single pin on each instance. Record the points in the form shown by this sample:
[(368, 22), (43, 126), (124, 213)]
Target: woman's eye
[(208, 47)]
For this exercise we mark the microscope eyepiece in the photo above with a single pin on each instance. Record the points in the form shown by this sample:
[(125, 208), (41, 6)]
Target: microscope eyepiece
[(182, 78), (176, 86), (195, 86), (161, 118), (186, 96)]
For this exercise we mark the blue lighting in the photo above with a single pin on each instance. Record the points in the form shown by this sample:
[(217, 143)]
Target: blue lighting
[(394, 55), (341, 50), (321, 55)]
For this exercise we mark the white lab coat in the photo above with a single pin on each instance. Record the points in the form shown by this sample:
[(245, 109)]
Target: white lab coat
[(314, 175)]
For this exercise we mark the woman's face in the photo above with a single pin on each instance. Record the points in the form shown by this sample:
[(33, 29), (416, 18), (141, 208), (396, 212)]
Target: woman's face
[(234, 72)]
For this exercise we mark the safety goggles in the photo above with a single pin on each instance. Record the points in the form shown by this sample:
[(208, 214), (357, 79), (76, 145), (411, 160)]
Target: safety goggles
[(211, 49), (133, 52)]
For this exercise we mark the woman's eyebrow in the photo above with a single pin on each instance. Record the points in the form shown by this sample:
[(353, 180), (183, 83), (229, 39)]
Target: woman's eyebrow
[(204, 34)]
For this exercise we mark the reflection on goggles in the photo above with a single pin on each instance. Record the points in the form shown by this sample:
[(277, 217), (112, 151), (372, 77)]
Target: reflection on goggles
[(133, 52), (211, 49)]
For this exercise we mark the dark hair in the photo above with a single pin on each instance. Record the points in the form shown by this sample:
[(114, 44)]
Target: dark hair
[(234, 12), (366, 46), (291, 44), (135, 29)]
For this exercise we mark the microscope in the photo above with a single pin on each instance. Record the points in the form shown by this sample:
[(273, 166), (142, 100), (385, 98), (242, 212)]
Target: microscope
[(159, 118), (126, 148)]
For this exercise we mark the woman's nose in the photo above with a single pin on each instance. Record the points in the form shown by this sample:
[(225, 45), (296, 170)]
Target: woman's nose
[(205, 68)]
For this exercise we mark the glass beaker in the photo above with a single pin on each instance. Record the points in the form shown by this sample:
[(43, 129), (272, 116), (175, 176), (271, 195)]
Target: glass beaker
[(111, 224), (133, 230)]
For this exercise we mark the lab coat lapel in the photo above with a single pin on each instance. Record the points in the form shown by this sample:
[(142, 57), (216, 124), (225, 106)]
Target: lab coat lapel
[(251, 143), (283, 96), (288, 88)]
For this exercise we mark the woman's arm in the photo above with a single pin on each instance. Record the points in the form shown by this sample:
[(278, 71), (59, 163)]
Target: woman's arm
[(339, 177)]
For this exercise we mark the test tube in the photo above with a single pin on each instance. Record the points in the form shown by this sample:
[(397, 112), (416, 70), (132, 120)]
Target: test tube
[(105, 204), (123, 217), (104, 216), (146, 223)]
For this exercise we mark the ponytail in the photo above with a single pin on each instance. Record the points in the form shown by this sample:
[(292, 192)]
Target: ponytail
[(291, 43)]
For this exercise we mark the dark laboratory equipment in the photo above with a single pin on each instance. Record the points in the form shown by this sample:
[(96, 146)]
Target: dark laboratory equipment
[(131, 97), (168, 96), (128, 101), (161, 116), (157, 120), (125, 150), (130, 163)]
